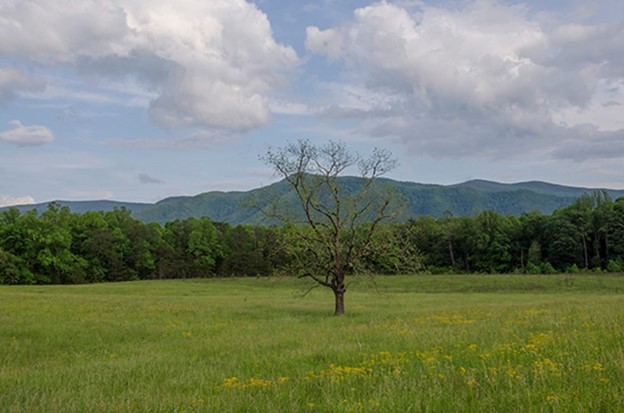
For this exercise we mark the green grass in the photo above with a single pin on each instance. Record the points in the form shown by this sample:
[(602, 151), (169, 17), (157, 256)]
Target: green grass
[(423, 343)]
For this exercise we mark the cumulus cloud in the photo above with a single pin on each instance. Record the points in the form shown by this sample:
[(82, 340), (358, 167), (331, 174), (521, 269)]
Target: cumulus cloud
[(211, 63), (12, 82), (26, 135), (328, 42), (484, 78), (6, 200)]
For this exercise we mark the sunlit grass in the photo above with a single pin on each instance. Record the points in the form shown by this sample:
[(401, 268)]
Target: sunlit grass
[(422, 343)]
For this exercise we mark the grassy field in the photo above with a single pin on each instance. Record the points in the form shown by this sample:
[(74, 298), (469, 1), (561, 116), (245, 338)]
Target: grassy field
[(423, 344)]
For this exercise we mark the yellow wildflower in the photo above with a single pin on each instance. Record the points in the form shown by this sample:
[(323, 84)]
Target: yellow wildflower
[(598, 367), (230, 382)]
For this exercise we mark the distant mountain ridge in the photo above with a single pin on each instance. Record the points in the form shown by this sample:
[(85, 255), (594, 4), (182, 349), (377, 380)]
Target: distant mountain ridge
[(536, 186), (242, 207)]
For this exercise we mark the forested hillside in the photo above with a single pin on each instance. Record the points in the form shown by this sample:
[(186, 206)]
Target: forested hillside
[(58, 246), (468, 198)]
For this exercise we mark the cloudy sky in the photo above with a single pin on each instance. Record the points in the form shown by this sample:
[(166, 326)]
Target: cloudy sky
[(137, 100)]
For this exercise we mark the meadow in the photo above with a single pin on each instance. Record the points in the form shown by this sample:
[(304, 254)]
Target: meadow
[(469, 343)]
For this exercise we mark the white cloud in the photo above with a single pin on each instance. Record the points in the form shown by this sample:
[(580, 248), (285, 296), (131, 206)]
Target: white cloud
[(287, 107), (101, 96), (210, 63), (484, 78), (605, 110), (327, 41), (26, 135), (6, 200), (13, 82)]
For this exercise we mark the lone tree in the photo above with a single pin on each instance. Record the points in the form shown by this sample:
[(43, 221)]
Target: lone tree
[(332, 232)]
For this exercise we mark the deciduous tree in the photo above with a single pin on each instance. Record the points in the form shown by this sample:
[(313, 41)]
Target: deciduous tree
[(331, 240)]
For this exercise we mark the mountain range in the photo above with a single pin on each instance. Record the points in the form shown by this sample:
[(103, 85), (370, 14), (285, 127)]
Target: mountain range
[(242, 207)]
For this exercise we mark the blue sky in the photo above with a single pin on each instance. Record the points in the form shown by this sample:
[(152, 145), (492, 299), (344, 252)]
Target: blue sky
[(138, 100)]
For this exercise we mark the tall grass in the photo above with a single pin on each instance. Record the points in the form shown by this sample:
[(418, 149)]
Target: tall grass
[(421, 343)]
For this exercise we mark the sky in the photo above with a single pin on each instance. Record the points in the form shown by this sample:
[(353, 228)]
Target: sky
[(138, 100)]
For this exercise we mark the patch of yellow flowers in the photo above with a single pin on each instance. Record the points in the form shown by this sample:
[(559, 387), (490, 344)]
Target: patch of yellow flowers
[(234, 382), (452, 319), (335, 373), (532, 359)]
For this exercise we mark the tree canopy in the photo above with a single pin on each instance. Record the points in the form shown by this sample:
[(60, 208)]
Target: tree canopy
[(60, 247)]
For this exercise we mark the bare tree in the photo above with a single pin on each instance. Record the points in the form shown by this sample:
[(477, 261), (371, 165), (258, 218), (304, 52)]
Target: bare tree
[(338, 217)]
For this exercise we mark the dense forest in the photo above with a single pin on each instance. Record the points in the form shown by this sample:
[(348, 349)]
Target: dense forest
[(60, 247)]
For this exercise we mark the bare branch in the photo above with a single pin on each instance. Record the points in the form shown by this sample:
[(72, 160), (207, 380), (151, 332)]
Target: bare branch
[(309, 290), (317, 279), (333, 209)]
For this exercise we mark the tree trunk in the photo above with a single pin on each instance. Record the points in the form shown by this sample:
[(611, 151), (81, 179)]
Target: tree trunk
[(450, 245), (339, 292), (606, 248), (585, 252)]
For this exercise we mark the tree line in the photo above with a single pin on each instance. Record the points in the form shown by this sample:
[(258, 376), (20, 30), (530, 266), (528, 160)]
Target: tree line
[(60, 247), (587, 235)]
